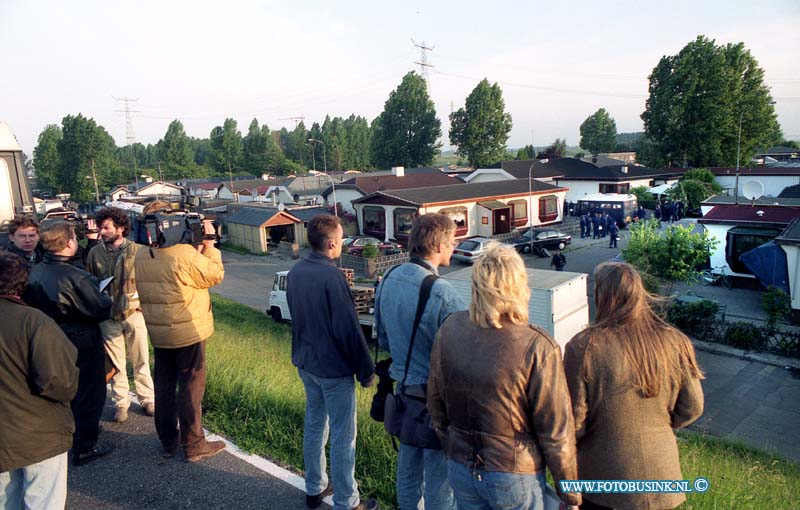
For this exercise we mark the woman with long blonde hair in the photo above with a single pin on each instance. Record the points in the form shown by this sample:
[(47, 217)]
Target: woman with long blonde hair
[(633, 378), (498, 396)]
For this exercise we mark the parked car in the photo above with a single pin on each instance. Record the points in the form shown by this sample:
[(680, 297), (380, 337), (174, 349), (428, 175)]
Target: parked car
[(355, 245), (543, 240), (468, 250)]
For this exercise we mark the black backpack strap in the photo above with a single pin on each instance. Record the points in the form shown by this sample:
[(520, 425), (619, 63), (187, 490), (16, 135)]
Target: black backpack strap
[(424, 294)]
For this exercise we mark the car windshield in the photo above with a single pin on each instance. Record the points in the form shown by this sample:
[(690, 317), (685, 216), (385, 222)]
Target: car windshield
[(468, 245), (348, 241)]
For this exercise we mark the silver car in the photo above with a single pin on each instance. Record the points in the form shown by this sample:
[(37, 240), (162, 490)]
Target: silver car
[(469, 249)]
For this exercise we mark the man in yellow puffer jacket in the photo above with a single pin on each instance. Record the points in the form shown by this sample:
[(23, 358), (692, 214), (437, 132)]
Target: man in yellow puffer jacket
[(173, 285)]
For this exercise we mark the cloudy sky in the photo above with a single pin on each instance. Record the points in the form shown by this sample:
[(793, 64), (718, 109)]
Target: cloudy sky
[(557, 62)]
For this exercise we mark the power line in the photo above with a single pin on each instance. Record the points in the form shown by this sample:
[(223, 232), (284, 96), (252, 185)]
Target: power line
[(551, 89)]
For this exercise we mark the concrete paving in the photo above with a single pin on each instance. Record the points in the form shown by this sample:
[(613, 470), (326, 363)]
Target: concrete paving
[(135, 477)]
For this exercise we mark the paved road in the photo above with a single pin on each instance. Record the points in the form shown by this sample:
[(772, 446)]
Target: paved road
[(135, 477)]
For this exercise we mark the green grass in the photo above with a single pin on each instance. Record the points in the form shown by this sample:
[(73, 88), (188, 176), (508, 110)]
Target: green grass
[(254, 397)]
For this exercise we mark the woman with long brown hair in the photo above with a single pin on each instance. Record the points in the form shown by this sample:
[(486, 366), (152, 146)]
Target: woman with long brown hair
[(497, 394), (633, 378)]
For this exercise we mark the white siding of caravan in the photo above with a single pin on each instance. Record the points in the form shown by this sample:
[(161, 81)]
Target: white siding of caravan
[(717, 259), (793, 264), (159, 189), (578, 189), (773, 184), (488, 177), (345, 197), (389, 212)]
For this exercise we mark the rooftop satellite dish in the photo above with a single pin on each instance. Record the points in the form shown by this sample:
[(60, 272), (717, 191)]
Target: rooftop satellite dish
[(752, 190)]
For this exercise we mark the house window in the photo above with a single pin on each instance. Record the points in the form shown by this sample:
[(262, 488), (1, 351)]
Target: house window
[(519, 212), (548, 208), (403, 218), (459, 217), (740, 240), (375, 222), (615, 188)]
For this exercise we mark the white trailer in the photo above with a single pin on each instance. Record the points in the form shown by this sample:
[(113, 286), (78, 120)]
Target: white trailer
[(15, 193), (558, 304)]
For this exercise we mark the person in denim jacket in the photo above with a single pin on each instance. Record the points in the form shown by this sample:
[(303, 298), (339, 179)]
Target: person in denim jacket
[(431, 244)]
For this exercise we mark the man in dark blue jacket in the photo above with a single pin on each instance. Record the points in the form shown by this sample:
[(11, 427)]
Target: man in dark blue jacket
[(328, 349)]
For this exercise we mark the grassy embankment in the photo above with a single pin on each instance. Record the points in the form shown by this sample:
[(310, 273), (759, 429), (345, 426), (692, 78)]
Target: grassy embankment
[(255, 398)]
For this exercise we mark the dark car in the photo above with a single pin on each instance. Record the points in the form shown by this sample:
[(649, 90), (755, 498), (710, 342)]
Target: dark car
[(355, 245), (543, 240)]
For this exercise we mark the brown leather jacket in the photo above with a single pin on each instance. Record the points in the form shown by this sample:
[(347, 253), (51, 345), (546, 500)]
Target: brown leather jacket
[(499, 399)]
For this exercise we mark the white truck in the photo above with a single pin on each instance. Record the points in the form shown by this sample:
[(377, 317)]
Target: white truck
[(15, 192), (278, 306), (558, 304)]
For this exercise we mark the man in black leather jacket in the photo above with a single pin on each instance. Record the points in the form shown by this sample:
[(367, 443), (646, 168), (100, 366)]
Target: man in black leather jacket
[(71, 297)]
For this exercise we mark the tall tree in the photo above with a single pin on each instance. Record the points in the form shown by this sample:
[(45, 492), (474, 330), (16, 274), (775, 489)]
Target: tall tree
[(47, 159), (261, 151), (599, 132), (701, 97), (557, 149), (407, 130), (359, 137), (175, 149), (87, 157), (480, 129), (226, 147), (527, 152)]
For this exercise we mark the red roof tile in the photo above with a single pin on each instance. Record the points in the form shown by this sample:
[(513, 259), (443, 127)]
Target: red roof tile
[(749, 214), (371, 184)]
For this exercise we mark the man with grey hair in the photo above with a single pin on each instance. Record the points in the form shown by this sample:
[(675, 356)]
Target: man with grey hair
[(431, 244)]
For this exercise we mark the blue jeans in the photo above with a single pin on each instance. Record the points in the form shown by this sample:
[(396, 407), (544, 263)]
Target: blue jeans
[(422, 480), (40, 486), (495, 490), (334, 400)]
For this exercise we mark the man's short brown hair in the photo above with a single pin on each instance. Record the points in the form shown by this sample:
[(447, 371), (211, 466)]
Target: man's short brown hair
[(54, 237), (22, 222), (321, 228), (117, 216), (14, 271), (428, 232)]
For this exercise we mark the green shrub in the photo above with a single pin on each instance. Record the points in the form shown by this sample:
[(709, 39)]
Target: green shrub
[(777, 305), (745, 336), (370, 252), (694, 319)]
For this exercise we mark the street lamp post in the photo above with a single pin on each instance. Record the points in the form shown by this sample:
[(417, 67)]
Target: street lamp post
[(738, 151), (333, 186), (312, 141), (530, 206), (324, 158)]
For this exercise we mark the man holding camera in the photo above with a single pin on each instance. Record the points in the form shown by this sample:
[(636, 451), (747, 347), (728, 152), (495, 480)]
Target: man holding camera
[(173, 282), (114, 257)]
